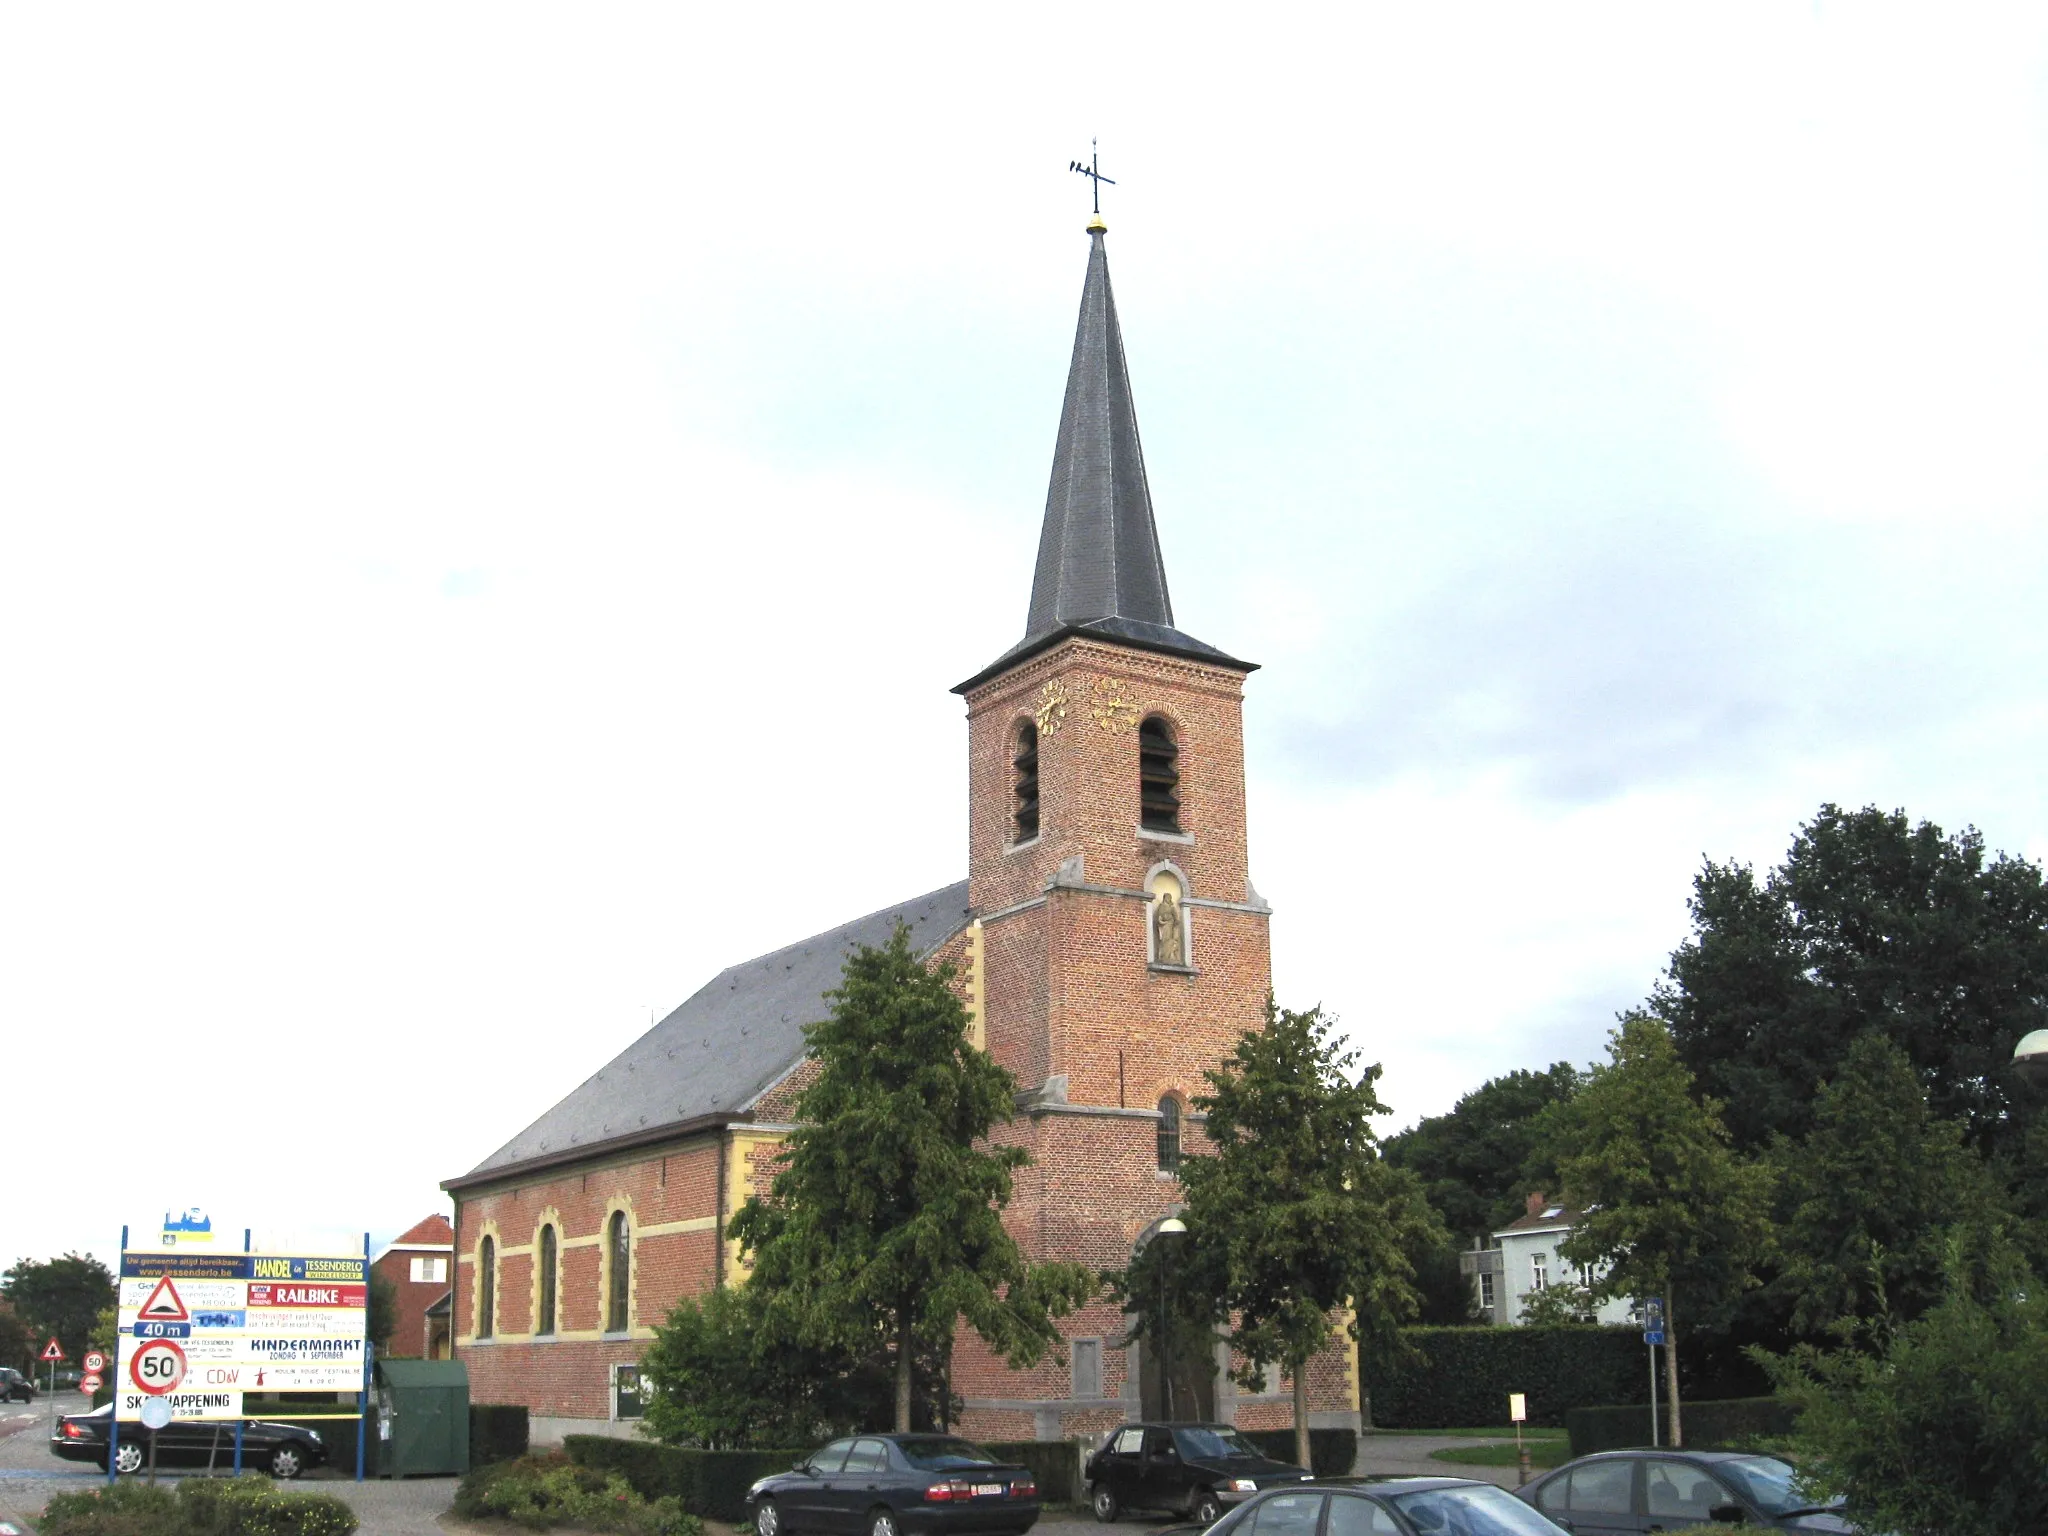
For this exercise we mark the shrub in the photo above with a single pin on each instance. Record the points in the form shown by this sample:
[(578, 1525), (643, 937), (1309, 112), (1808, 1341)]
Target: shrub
[(202, 1506), (497, 1432), (125, 1509), (540, 1492), (1054, 1466), (1331, 1452), (1461, 1376), (713, 1484), (1728, 1424)]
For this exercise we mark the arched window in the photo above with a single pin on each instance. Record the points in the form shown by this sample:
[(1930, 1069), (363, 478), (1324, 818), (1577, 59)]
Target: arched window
[(1026, 764), (620, 1239), (1169, 1134), (547, 1280), (1158, 778), (486, 1288)]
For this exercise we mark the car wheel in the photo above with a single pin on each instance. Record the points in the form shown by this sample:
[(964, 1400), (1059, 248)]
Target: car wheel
[(1208, 1508), (128, 1457), (1103, 1502), (883, 1523), (287, 1462), (767, 1519)]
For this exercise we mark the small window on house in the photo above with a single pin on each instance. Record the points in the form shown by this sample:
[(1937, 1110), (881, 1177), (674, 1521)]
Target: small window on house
[(1539, 1270), (1486, 1290), (486, 1288), (1026, 764), (546, 1260), (1087, 1368), (1158, 778), (629, 1393), (429, 1271), (620, 1242), (1169, 1134)]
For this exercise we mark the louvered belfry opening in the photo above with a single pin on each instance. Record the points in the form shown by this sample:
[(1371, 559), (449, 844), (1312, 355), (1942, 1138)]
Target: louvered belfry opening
[(1027, 782), (1158, 777)]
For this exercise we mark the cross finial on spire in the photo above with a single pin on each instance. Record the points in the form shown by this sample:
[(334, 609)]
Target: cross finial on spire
[(1093, 171)]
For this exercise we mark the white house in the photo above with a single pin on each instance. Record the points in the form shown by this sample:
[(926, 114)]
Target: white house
[(1524, 1260)]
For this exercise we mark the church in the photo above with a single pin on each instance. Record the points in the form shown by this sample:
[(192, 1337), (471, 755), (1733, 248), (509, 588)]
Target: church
[(1109, 947)]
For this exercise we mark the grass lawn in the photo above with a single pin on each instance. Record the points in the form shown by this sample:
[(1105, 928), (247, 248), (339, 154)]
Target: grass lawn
[(1546, 1453), (1500, 1432)]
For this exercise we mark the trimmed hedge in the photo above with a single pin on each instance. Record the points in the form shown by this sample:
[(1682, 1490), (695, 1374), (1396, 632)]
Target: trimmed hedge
[(1463, 1376), (1331, 1452), (497, 1432), (1055, 1466), (712, 1484), (1709, 1426)]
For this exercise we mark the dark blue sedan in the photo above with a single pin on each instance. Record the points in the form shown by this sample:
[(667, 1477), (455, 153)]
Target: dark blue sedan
[(897, 1485)]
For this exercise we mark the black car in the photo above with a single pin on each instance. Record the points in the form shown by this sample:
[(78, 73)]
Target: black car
[(1397, 1506), (1628, 1493), (283, 1450), (897, 1485), (1197, 1470), (15, 1387)]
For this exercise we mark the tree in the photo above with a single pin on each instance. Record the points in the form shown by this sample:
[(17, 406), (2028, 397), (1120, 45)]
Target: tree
[(1295, 1212), (1933, 1426), (60, 1297), (1871, 923), (722, 1377), (1477, 1162), (1666, 1208), (1566, 1301), (885, 1221), (382, 1319), (17, 1346), (1868, 1200)]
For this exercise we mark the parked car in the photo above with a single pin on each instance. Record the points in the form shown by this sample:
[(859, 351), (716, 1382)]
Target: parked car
[(897, 1485), (1399, 1506), (283, 1450), (15, 1387), (1626, 1493), (1197, 1470)]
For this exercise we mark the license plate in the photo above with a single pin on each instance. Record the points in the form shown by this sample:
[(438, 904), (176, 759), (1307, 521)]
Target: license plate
[(981, 1489)]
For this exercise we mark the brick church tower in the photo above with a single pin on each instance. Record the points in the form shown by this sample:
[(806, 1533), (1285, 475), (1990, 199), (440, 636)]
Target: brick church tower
[(1122, 944), (1110, 947)]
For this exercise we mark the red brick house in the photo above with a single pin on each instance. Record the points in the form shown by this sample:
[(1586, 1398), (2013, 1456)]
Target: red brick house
[(420, 1263), (1110, 947)]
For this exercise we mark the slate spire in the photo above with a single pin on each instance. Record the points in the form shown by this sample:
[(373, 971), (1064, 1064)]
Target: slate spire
[(1099, 570), (1098, 553)]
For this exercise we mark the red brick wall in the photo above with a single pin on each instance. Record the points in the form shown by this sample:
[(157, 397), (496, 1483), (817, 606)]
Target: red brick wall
[(409, 1337), (569, 1375)]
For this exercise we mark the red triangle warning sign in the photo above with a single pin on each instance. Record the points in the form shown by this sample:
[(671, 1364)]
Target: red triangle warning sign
[(164, 1305)]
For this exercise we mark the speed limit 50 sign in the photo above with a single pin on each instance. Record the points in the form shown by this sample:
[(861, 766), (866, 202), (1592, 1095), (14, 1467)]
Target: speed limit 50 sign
[(157, 1367)]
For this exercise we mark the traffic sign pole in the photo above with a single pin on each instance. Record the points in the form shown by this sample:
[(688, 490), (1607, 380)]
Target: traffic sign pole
[(114, 1418)]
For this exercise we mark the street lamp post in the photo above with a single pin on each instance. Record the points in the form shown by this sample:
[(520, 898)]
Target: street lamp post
[(1173, 1226), (2030, 1058)]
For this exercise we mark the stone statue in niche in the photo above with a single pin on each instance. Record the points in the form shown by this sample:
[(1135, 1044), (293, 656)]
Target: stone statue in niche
[(1169, 934)]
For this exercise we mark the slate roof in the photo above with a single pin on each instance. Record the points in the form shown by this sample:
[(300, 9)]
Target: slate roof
[(714, 1056), (1099, 568), (1552, 1218)]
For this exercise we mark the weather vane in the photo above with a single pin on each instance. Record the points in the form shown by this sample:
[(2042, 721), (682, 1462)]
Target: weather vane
[(1093, 171)]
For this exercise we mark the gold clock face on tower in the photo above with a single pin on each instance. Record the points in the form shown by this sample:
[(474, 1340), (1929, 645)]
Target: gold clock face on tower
[(1052, 708), (1113, 707)]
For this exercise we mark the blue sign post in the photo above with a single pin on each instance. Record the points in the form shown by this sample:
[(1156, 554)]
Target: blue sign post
[(1653, 1335)]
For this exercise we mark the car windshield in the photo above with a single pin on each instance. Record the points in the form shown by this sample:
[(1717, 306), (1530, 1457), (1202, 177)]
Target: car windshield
[(941, 1453), (1770, 1484), (1474, 1509), (1210, 1444)]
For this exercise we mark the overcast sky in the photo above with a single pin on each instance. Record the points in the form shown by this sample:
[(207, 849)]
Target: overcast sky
[(494, 498)]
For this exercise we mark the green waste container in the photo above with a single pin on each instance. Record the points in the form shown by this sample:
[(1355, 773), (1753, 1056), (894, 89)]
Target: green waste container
[(422, 1418)]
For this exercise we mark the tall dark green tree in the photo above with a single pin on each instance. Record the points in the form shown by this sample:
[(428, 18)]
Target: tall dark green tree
[(1872, 923), (1868, 1200), (885, 1221), (1478, 1162), (1294, 1212), (60, 1297)]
